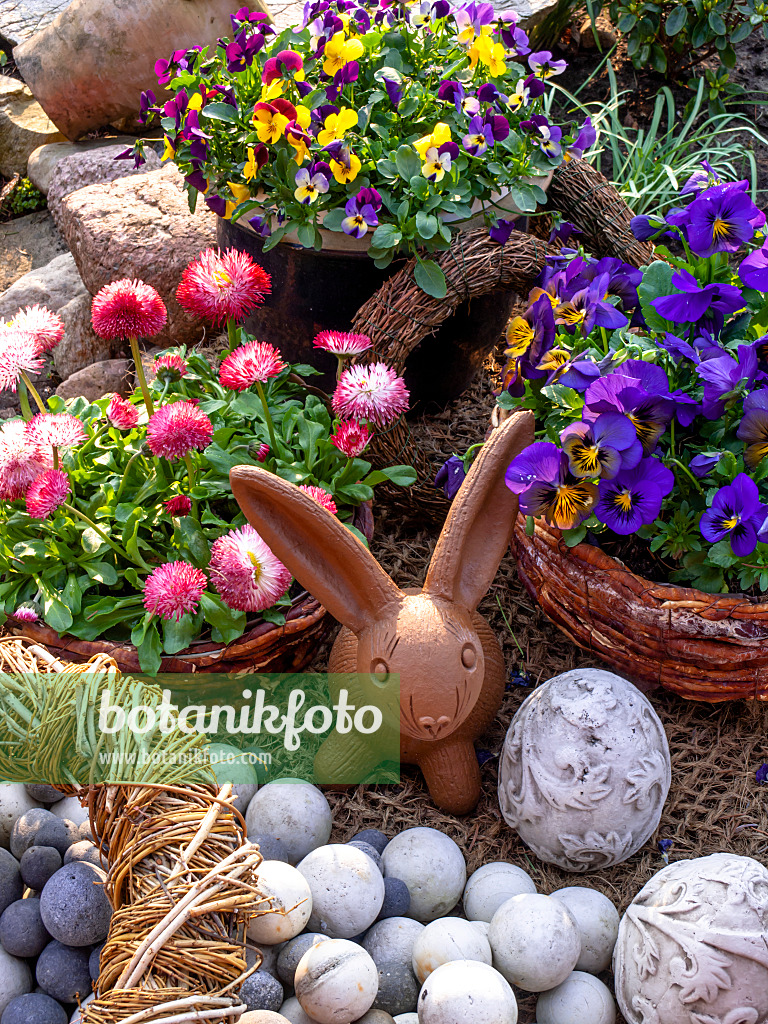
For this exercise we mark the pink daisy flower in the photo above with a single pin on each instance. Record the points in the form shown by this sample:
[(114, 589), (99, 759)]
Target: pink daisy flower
[(25, 613), (178, 505), (18, 352), (320, 496), (255, 361), (262, 453), (170, 366), (47, 492), (218, 286), (173, 589), (128, 309), (342, 343), (54, 430), (373, 392), (176, 429), (122, 414), (351, 438), (19, 465), (245, 572), (45, 328)]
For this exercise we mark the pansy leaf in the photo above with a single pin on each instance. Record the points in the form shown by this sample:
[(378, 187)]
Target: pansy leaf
[(426, 224), (386, 236), (407, 162), (431, 279), (332, 220), (221, 112)]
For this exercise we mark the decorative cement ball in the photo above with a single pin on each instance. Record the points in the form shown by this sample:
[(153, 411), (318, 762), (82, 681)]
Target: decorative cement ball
[(94, 961), (494, 884), (292, 1011), (692, 944), (392, 941), (230, 764), (62, 972), (398, 989), (585, 770), (347, 890), (292, 952), (336, 982), (74, 905), (373, 837), (294, 812), (34, 1008), (375, 1017), (397, 899), (37, 865), (22, 932), (291, 898), (270, 847), (367, 849), (598, 922), (71, 809), (260, 1017), (467, 990), (261, 991), (447, 940), (15, 978), (39, 827), (42, 793), (14, 802), (431, 865), (581, 999), (535, 942), (267, 956), (406, 1018), (11, 885), (86, 851)]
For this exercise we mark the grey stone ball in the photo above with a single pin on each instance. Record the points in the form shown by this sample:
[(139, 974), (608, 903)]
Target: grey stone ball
[(293, 811), (392, 940), (37, 865), (43, 793), (397, 899), (39, 827), (14, 801), (292, 952), (373, 837), (270, 847), (34, 1008), (74, 905), (268, 955), (432, 866), (71, 809), (22, 932), (85, 832), (94, 961), (262, 991), (15, 978), (84, 850), (368, 850), (398, 989), (347, 890), (62, 972), (11, 885), (375, 1017)]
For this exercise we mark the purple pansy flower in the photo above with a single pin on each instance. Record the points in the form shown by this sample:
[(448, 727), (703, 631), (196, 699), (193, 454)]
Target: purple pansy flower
[(703, 464), (132, 153), (165, 68), (694, 302), (360, 217), (261, 226), (586, 138), (723, 375), (498, 124), (736, 513), (644, 227), (451, 476), (545, 135), (633, 498), (513, 37), (541, 477), (678, 348), (564, 231), (578, 373), (478, 138), (753, 429), (501, 231), (753, 270), (701, 180), (648, 411), (595, 449), (543, 66), (240, 53), (720, 220), (394, 91)]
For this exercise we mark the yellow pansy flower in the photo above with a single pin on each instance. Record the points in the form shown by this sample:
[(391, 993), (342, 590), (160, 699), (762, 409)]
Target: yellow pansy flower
[(195, 101), (344, 174), (440, 133), (168, 152), (270, 123), (336, 126), (251, 167), (240, 192), (273, 90), (340, 51)]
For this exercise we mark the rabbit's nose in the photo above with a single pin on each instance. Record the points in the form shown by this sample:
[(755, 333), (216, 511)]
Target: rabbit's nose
[(434, 727)]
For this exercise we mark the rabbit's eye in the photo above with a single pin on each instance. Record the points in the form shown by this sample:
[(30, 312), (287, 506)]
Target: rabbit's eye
[(379, 671), (468, 656)]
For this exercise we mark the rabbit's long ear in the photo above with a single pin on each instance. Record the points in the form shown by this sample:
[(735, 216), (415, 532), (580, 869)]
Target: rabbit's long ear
[(479, 526), (323, 555)]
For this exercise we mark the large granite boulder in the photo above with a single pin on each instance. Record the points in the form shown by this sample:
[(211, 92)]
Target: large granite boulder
[(24, 126), (21, 19), (45, 159)]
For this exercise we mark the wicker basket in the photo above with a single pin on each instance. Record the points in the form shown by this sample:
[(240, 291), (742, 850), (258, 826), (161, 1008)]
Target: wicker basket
[(265, 647), (711, 647)]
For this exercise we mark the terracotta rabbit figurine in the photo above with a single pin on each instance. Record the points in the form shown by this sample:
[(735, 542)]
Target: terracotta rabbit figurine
[(448, 660)]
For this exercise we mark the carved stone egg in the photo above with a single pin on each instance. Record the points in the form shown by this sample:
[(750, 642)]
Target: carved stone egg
[(585, 770), (692, 945)]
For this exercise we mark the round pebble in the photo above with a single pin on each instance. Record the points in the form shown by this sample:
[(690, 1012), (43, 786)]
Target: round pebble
[(494, 884), (406, 1018), (78, 885), (269, 956), (347, 890), (86, 851), (392, 941), (14, 802), (37, 864), (40, 827), (260, 1017), (432, 867), (464, 991), (94, 961), (261, 991), (535, 942), (22, 932), (230, 764), (15, 979), (336, 981), (77, 1016), (447, 940), (43, 793), (294, 812), (62, 972), (581, 999), (367, 849), (397, 899), (34, 1008), (290, 895), (270, 847), (598, 922), (11, 885), (398, 989), (375, 1017), (71, 809), (292, 1011), (373, 837), (292, 952)]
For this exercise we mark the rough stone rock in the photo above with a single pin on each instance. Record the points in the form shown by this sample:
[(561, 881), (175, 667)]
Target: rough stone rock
[(92, 167), (24, 126), (45, 159), (139, 227), (53, 285), (27, 243), (530, 12), (100, 379), (21, 19), (81, 346)]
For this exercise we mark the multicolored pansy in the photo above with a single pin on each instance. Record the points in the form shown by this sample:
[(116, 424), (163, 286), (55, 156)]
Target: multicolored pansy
[(361, 214), (309, 187), (633, 498), (649, 412), (270, 123), (736, 513), (541, 478), (337, 125), (240, 53), (437, 162), (585, 140), (520, 97), (340, 51), (588, 309), (545, 135), (542, 65), (478, 138), (596, 449), (345, 166), (257, 158), (513, 37), (530, 337), (471, 20), (753, 429)]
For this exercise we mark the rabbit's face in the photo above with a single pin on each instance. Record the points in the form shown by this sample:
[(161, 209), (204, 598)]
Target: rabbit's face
[(434, 649)]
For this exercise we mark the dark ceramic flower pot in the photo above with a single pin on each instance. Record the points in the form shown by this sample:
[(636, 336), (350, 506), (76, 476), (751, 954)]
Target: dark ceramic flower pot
[(316, 291)]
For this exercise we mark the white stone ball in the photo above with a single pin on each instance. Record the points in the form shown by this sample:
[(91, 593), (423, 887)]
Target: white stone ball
[(230, 764), (294, 812), (292, 1011), (483, 927), (15, 978), (466, 992), (494, 884), (290, 895), (432, 867), (598, 922), (70, 807), (347, 890), (581, 999), (406, 1018), (446, 940), (336, 981), (392, 940), (535, 942), (585, 770), (692, 944), (14, 801)]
